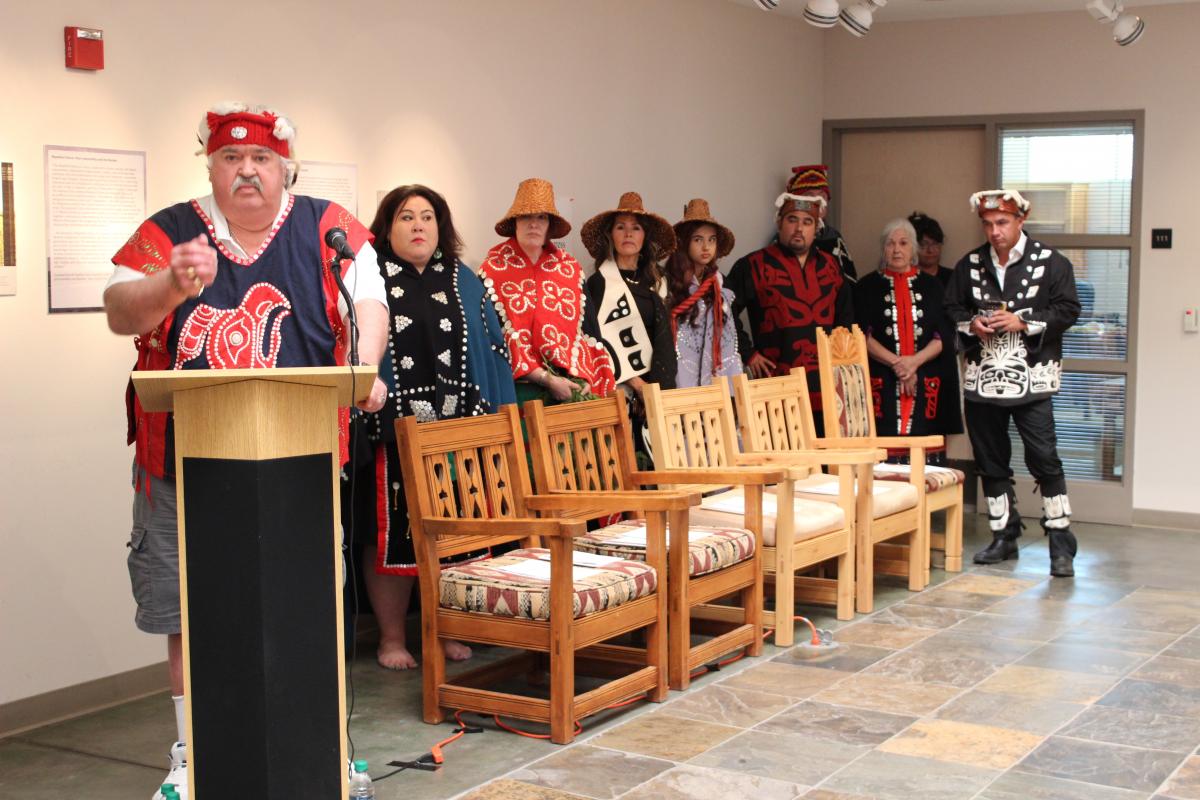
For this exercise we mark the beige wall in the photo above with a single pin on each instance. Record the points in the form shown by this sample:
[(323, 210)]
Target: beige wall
[(692, 102), (1067, 62), (470, 96)]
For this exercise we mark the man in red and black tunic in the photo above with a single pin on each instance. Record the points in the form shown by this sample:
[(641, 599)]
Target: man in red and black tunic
[(231, 280), (789, 289)]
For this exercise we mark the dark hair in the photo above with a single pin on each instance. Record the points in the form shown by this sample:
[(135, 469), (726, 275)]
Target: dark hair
[(926, 226), (647, 258), (679, 285), (449, 241)]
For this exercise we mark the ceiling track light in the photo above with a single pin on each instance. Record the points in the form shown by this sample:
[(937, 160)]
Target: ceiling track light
[(858, 18), (1127, 28), (822, 13)]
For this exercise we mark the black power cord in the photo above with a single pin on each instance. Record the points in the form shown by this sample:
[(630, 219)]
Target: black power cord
[(352, 442)]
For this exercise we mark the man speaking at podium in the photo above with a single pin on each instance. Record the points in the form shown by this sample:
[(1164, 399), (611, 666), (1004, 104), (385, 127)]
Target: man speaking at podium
[(231, 280)]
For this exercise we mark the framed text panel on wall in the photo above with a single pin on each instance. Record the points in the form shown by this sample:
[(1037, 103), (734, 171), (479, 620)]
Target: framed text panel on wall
[(95, 200)]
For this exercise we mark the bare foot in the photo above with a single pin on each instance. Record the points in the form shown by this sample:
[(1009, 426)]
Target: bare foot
[(456, 651), (394, 655)]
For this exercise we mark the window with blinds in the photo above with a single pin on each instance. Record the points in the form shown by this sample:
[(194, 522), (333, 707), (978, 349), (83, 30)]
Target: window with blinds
[(1079, 179), (1102, 282), (1089, 417)]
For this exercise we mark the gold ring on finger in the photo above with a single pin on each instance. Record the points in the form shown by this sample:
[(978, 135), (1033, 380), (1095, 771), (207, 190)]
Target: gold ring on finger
[(191, 272)]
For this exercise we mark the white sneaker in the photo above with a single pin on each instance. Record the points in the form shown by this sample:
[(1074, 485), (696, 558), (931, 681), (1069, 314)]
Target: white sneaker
[(178, 774)]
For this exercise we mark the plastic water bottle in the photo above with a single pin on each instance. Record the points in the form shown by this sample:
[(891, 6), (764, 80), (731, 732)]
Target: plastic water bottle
[(361, 787)]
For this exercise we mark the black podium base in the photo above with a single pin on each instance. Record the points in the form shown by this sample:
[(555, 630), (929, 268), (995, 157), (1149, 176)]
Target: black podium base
[(262, 628)]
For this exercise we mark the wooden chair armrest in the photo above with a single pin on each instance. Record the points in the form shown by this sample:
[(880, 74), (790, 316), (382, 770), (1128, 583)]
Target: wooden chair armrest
[(714, 476), (815, 458), (776, 458), (909, 441), (567, 527), (662, 500), (880, 441)]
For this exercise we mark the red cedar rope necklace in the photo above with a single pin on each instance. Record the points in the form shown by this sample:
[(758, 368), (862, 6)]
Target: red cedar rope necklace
[(710, 286)]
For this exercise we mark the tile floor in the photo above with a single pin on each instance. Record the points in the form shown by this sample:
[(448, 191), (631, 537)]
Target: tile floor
[(997, 684)]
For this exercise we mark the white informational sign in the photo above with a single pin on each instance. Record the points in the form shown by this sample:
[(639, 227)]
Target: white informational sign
[(95, 199), (8, 232), (328, 181)]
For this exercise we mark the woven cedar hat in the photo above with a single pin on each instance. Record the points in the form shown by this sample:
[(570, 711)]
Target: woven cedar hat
[(695, 214), (534, 196), (1007, 200), (659, 231), (809, 178)]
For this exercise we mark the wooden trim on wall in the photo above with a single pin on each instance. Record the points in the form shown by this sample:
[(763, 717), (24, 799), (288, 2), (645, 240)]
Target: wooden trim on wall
[(1175, 520), (83, 698)]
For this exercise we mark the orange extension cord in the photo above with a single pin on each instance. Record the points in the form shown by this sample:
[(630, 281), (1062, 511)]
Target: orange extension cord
[(438, 756)]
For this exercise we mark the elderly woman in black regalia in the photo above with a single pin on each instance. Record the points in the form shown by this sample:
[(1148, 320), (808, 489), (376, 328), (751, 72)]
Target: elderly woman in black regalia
[(899, 309)]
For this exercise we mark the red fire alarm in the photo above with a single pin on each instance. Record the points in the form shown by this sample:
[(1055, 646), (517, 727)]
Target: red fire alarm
[(85, 47)]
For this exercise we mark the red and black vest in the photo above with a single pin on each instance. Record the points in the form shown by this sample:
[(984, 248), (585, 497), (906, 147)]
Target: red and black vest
[(277, 308)]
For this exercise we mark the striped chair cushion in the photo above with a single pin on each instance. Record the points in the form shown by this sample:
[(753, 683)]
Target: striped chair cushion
[(709, 548), (811, 518), (486, 587), (850, 388), (935, 477)]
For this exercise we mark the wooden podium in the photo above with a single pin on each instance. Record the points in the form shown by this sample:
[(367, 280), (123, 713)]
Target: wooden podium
[(260, 573)]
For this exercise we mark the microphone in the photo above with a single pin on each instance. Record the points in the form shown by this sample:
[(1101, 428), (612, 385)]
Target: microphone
[(335, 239)]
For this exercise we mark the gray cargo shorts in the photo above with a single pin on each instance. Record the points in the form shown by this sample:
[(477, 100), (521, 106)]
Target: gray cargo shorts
[(154, 555)]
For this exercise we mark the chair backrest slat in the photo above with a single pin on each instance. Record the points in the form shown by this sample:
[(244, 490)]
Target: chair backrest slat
[(587, 466), (472, 497), (608, 456), (561, 457), (584, 446), (499, 483), (438, 473), (714, 436), (697, 445)]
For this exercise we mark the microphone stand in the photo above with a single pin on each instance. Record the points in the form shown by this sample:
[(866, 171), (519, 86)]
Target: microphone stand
[(335, 270)]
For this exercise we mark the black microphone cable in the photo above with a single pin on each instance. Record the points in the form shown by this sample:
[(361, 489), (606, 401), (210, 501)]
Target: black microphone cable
[(335, 238)]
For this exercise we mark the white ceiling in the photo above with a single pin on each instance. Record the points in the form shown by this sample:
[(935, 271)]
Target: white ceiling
[(904, 10)]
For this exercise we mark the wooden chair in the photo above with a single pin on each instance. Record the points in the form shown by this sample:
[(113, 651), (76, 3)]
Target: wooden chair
[(467, 489), (582, 449), (850, 421), (694, 428)]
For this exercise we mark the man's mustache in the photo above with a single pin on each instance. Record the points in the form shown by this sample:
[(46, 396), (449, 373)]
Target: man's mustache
[(240, 181)]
